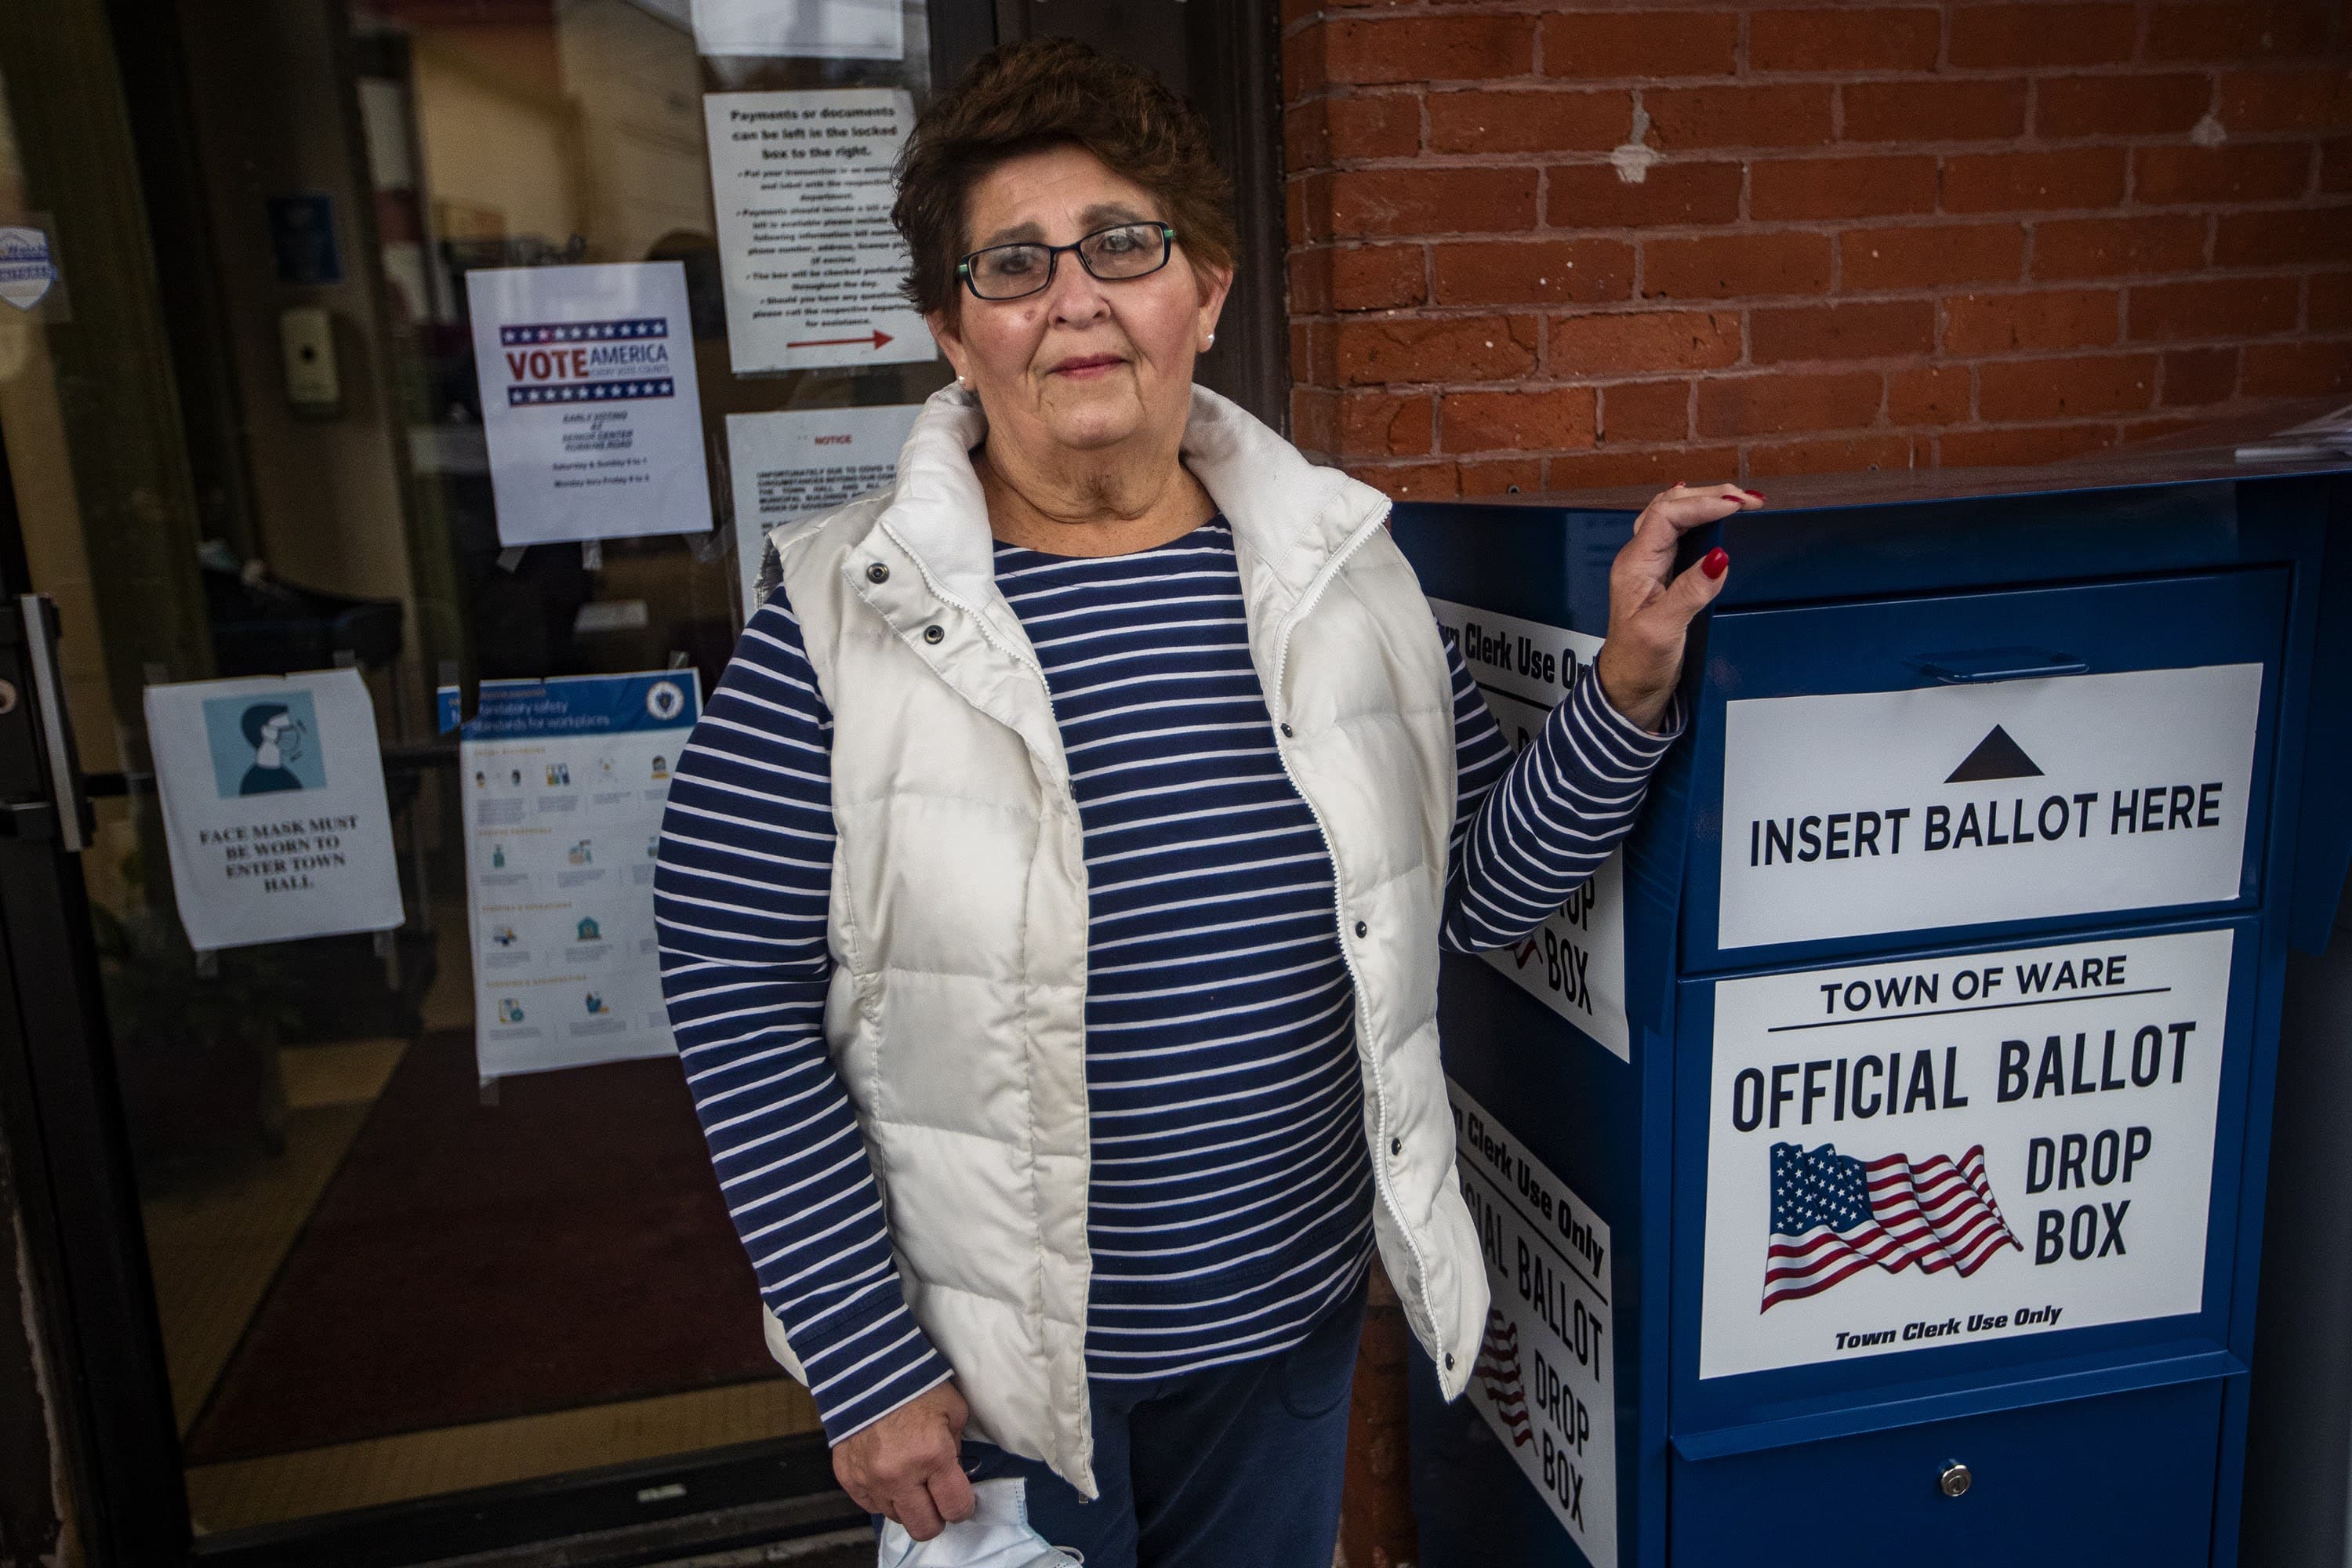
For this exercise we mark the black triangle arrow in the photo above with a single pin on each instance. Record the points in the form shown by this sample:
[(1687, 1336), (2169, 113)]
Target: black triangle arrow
[(1996, 757)]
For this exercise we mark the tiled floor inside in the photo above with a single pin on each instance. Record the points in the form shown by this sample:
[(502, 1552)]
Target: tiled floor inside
[(215, 1250)]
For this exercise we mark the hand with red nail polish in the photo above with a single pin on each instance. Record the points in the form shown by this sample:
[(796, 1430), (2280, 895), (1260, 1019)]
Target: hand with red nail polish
[(1651, 607)]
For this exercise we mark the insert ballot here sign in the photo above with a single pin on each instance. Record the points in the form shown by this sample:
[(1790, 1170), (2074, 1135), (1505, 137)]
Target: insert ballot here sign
[(1574, 963), (1890, 811)]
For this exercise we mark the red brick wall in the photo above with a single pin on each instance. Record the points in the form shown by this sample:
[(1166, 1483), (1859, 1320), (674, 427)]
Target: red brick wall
[(1862, 235)]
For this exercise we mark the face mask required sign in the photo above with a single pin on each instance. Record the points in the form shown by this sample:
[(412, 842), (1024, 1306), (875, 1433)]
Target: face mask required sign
[(274, 807), (1896, 811), (1574, 963), (1545, 1381), (1950, 1150)]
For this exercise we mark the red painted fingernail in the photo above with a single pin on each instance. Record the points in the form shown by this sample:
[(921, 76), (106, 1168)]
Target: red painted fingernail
[(1676, 486), (1716, 561), (1758, 494)]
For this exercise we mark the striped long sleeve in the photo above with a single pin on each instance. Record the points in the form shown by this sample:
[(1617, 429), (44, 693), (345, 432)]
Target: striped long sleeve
[(740, 898), (1528, 831), (742, 889)]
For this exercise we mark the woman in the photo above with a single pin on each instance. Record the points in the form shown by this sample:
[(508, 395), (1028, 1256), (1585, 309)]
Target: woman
[(1051, 896)]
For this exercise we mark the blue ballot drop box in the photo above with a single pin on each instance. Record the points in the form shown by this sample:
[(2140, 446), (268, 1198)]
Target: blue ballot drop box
[(1870, 1163)]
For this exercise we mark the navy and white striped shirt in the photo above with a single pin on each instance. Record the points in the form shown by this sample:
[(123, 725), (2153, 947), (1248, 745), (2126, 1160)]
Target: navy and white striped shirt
[(1230, 1192)]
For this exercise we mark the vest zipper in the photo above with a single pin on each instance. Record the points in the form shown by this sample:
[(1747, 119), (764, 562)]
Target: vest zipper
[(1339, 916), (987, 633), (1085, 1111)]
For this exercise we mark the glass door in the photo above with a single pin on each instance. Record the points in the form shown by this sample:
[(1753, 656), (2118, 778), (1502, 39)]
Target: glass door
[(395, 394)]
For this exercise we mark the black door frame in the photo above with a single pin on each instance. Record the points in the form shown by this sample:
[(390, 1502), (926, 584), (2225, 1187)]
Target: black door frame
[(69, 1146)]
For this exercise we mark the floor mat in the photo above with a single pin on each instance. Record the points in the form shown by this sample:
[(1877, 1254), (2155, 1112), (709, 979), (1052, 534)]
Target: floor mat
[(564, 1246)]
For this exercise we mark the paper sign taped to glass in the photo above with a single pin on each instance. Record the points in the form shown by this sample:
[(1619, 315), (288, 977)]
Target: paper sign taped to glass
[(565, 781), (801, 186), (589, 401), (272, 790), (1546, 1380), (800, 462), (820, 30)]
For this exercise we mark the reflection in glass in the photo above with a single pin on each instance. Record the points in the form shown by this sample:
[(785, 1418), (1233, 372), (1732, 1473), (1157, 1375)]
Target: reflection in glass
[(377, 1278)]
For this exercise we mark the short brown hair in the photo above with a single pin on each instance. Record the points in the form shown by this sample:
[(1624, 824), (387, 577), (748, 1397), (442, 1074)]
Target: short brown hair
[(1053, 92)]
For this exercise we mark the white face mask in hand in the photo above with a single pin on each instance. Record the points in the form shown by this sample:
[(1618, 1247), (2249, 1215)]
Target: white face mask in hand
[(996, 1536)]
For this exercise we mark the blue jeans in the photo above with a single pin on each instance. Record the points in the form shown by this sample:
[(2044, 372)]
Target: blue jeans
[(1232, 1466)]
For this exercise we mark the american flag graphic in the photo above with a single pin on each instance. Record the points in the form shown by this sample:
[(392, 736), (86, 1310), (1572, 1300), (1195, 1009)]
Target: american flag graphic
[(1498, 1373), (1835, 1215)]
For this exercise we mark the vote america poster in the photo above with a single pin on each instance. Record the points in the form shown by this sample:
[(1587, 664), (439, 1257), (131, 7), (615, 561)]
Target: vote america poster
[(589, 401)]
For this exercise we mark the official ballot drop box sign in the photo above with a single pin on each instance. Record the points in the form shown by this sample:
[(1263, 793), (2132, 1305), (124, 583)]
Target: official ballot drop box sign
[(1869, 1163)]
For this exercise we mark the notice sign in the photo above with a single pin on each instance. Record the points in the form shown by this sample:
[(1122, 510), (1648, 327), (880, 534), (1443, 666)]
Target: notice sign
[(1544, 1381), (1896, 811), (589, 401), (802, 185), (564, 782), (1947, 1151), (272, 789), (796, 464), (1574, 963)]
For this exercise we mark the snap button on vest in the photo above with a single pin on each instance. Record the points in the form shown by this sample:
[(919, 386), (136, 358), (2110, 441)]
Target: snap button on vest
[(1396, 1145), (1285, 731), (933, 633), (877, 573), (1363, 929)]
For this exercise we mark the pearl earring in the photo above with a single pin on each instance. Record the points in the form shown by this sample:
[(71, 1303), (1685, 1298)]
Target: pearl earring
[(1210, 345), (961, 381)]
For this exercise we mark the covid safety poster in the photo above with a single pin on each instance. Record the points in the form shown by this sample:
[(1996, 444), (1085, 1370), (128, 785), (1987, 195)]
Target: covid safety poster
[(272, 789), (589, 401), (564, 782), (1954, 1149)]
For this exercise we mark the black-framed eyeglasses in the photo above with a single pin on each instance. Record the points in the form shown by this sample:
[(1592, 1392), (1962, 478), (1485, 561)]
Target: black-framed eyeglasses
[(1122, 251)]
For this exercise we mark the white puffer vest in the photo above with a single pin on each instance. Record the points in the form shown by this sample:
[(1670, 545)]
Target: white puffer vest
[(959, 906)]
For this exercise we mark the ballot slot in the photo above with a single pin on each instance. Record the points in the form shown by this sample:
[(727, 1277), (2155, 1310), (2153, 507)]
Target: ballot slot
[(2125, 1478), (1957, 1178), (1876, 774)]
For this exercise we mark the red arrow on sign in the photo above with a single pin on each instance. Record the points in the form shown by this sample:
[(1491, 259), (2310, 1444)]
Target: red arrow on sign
[(879, 338)]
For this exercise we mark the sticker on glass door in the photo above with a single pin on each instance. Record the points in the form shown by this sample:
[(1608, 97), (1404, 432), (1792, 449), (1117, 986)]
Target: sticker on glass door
[(1945, 1150)]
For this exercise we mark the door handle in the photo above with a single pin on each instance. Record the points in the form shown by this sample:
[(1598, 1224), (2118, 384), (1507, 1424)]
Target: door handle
[(37, 617), (27, 819), (1988, 664)]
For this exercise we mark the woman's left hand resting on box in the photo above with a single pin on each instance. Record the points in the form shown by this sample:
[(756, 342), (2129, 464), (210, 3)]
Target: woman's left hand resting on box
[(1651, 608)]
